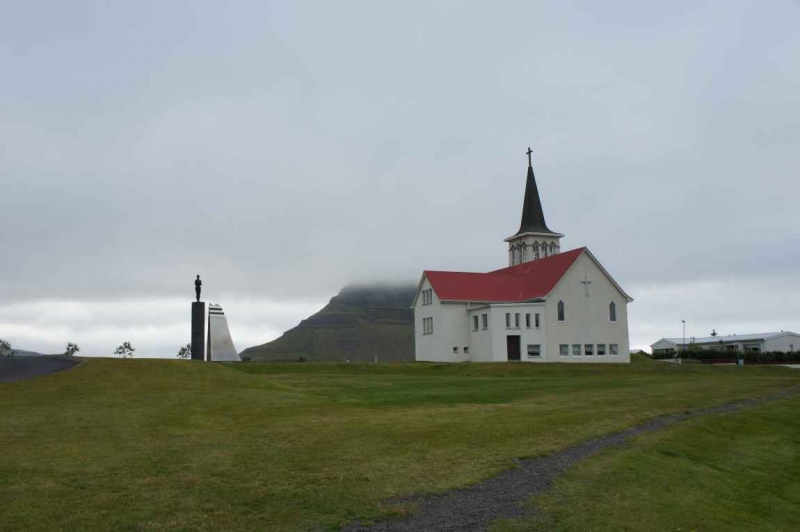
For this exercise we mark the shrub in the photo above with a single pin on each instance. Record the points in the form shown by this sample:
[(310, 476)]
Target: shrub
[(71, 349), (185, 352), (5, 349), (125, 350), (767, 357)]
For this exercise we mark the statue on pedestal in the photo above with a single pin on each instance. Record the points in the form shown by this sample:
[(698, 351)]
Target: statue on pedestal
[(198, 285)]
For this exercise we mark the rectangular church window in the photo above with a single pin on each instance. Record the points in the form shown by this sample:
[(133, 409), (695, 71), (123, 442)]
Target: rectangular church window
[(455, 349), (613, 349), (576, 350), (537, 320), (427, 296), (508, 320), (475, 322), (466, 350), (534, 350), (516, 320), (601, 350), (588, 350), (528, 321), (485, 318), (563, 350)]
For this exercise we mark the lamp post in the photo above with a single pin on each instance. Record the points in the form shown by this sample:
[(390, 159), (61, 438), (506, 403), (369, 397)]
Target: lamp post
[(684, 337)]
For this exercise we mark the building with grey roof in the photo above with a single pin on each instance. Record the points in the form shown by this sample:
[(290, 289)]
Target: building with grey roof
[(785, 341)]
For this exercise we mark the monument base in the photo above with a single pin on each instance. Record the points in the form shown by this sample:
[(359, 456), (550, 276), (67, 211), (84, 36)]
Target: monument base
[(199, 330)]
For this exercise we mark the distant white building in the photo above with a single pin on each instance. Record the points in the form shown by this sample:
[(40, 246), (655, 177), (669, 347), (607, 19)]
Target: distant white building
[(546, 306), (785, 341)]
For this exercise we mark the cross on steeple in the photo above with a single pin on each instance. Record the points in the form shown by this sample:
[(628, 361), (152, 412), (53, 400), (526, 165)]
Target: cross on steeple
[(586, 282), (530, 165)]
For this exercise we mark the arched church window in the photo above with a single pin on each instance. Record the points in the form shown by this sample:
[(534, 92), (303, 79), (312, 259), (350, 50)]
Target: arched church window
[(535, 250), (612, 311), (552, 248), (524, 252), (544, 249), (560, 311)]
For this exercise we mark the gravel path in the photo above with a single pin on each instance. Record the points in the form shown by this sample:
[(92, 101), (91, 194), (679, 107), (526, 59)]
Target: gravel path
[(473, 508), (14, 369)]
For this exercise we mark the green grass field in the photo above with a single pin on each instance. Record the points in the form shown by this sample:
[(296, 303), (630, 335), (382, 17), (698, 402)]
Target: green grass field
[(177, 445), (737, 471)]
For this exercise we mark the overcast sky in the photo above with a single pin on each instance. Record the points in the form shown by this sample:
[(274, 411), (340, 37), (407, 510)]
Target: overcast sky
[(284, 149)]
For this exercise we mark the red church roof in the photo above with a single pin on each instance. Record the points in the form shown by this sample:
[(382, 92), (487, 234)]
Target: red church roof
[(529, 280)]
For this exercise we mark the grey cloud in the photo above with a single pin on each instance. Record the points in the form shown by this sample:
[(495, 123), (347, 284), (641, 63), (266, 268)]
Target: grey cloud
[(282, 151)]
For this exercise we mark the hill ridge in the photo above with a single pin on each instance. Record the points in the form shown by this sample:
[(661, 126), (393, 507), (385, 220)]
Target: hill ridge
[(359, 323)]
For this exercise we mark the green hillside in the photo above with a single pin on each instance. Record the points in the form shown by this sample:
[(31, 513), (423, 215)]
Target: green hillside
[(183, 445), (358, 324)]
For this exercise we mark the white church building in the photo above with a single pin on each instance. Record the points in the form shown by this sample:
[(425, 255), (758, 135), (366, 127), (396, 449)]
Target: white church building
[(546, 306)]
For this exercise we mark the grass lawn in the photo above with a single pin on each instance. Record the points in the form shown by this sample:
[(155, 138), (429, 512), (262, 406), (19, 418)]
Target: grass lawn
[(737, 471), (179, 445)]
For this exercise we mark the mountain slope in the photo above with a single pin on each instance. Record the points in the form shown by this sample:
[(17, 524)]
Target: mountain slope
[(356, 325)]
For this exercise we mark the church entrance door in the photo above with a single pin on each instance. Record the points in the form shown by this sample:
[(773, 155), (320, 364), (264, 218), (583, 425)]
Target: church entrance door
[(512, 343)]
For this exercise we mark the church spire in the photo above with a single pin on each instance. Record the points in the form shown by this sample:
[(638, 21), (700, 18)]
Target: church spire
[(534, 240), (532, 214)]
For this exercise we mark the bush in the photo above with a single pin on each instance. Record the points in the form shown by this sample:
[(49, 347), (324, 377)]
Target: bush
[(125, 350), (767, 357), (71, 349), (5, 349), (185, 352)]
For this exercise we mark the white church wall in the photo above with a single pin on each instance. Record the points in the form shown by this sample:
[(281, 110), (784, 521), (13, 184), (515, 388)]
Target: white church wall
[(528, 336), (587, 320), (455, 332), (497, 323), (427, 347), (450, 329), (481, 339)]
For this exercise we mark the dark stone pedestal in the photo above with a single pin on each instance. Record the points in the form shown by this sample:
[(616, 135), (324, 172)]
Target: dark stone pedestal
[(199, 330)]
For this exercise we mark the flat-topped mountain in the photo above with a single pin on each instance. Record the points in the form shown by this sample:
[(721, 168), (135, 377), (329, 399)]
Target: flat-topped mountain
[(356, 325)]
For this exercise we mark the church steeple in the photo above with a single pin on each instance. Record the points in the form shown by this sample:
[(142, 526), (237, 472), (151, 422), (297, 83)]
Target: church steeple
[(534, 239), (532, 213)]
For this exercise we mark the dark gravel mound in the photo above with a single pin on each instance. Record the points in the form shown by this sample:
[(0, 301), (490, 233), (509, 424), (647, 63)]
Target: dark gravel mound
[(14, 369)]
